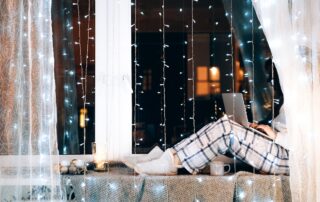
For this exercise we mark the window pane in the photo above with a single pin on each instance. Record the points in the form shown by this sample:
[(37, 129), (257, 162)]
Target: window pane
[(202, 73), (74, 74), (202, 88), (202, 63)]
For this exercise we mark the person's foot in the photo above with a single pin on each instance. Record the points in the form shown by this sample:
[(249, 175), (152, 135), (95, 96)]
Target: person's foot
[(132, 160), (165, 165)]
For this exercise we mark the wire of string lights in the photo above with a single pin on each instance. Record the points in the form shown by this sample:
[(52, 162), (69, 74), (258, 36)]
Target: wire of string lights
[(135, 62), (88, 17), (253, 59), (253, 81), (135, 77), (232, 69), (192, 67), (164, 66), (233, 81), (182, 73), (83, 77), (272, 118)]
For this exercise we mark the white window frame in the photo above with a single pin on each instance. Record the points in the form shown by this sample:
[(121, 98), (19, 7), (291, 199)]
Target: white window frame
[(113, 101)]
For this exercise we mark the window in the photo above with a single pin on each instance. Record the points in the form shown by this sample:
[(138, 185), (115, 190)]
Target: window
[(224, 54), (208, 81)]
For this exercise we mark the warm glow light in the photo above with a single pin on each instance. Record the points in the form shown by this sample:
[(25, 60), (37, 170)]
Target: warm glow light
[(100, 165), (202, 73), (82, 118), (241, 74), (214, 74), (202, 88)]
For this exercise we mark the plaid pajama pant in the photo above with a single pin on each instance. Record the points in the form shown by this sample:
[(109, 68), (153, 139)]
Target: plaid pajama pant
[(196, 151)]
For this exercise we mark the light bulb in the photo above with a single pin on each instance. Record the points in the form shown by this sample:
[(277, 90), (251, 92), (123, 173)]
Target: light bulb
[(241, 195)]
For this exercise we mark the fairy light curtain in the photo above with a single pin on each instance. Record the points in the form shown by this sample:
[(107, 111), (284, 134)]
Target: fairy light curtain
[(292, 30), (27, 103), (65, 70), (255, 52)]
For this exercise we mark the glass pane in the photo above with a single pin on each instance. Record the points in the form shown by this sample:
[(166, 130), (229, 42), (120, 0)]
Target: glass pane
[(191, 93), (74, 53)]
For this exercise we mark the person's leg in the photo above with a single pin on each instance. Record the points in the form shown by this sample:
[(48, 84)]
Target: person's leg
[(258, 151), (216, 138), (196, 151), (190, 147)]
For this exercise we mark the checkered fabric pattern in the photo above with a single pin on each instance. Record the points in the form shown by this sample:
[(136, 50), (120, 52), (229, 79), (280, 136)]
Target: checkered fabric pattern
[(196, 151)]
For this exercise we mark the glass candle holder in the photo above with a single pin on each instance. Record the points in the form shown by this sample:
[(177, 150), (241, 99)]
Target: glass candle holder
[(100, 165), (94, 151)]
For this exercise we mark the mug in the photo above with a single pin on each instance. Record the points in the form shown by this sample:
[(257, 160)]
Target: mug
[(217, 168)]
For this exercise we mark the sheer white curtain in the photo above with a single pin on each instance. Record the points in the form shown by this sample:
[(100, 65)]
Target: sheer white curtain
[(292, 31), (113, 122), (28, 145)]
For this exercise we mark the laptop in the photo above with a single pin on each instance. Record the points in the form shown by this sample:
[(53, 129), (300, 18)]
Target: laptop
[(236, 111)]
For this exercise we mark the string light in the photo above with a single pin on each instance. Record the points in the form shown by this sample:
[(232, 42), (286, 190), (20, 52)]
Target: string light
[(83, 184), (158, 189), (135, 104), (193, 69), (232, 72), (249, 182), (113, 186), (183, 87), (84, 64), (84, 74), (229, 57), (81, 68), (241, 195), (163, 84), (70, 138), (199, 179), (253, 83)]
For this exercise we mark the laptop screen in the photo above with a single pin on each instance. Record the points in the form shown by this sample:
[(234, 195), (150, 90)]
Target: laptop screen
[(235, 108)]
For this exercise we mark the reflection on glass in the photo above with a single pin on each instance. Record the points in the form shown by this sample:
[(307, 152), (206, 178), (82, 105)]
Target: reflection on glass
[(74, 53), (82, 119)]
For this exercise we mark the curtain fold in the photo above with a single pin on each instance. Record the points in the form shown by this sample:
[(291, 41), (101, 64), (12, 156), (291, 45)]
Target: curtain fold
[(292, 31), (28, 144)]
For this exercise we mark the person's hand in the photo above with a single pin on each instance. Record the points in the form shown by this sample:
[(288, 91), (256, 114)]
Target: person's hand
[(253, 125), (268, 130)]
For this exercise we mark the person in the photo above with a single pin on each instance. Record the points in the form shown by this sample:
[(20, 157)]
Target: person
[(224, 135), (195, 152)]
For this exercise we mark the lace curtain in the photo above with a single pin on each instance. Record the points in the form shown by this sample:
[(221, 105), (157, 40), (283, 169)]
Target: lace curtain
[(292, 30), (28, 145)]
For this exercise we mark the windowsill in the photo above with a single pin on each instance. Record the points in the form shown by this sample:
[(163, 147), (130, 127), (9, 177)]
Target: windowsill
[(121, 184), (84, 157), (33, 160)]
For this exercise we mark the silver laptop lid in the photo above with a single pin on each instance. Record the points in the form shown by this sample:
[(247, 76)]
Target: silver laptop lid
[(235, 108)]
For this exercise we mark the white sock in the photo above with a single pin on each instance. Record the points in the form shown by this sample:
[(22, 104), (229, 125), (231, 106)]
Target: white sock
[(132, 160), (163, 166), (176, 159)]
